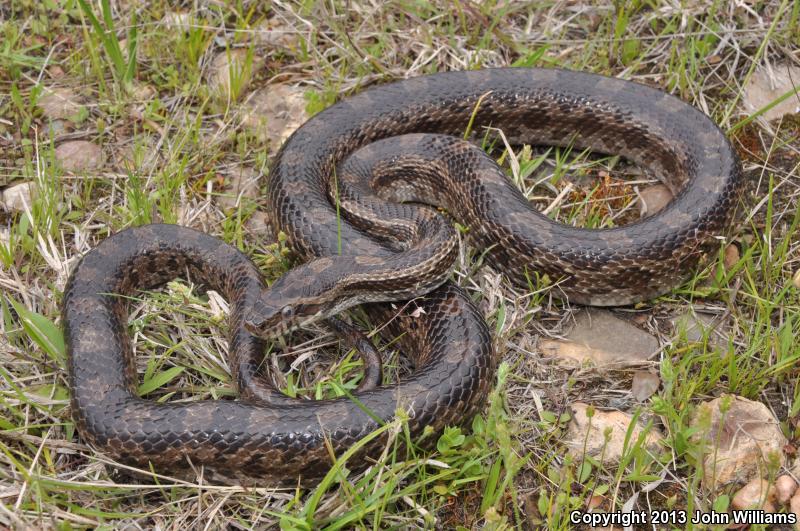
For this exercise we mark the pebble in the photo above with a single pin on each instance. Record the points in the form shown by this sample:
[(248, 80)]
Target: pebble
[(644, 385), (587, 435), (740, 441), (59, 103), (768, 84), (79, 155), (274, 112), (653, 199), (757, 494), (785, 487), (731, 256), (794, 506), (601, 337), (15, 197)]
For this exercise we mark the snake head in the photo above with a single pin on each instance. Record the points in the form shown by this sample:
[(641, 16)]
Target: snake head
[(269, 321), (291, 302)]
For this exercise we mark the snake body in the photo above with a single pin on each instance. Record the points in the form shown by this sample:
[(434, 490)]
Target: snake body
[(333, 189)]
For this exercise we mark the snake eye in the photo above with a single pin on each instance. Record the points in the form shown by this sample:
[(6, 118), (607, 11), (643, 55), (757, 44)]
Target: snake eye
[(287, 312)]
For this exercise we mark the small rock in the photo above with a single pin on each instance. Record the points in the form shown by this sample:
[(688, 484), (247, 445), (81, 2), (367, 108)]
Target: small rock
[(14, 198), (227, 66), (79, 155), (601, 337), (731, 257), (653, 198), (595, 444), (54, 128), (273, 113), (695, 325), (768, 84), (275, 34), (785, 487), (794, 506), (594, 502), (740, 441), (603, 330), (573, 352), (644, 385), (258, 223), (758, 494), (59, 103), (242, 182)]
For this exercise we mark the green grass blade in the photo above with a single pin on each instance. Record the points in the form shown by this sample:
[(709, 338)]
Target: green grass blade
[(158, 380), (43, 332)]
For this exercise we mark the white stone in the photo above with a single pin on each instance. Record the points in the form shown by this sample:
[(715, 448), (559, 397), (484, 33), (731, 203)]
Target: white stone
[(766, 85), (585, 434), (14, 198), (739, 442)]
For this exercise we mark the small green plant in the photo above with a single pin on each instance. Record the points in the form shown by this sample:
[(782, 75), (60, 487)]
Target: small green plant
[(239, 71), (25, 105), (123, 69), (14, 56), (43, 332)]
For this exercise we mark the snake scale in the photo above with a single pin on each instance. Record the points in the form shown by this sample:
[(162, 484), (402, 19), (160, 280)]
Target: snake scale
[(344, 188)]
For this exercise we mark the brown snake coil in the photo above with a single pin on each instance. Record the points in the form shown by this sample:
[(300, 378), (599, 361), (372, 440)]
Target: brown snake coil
[(268, 434)]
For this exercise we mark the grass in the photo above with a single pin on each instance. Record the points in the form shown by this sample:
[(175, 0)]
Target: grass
[(174, 142), (122, 64)]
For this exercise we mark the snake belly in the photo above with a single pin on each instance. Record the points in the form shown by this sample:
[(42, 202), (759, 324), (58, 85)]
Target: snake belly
[(281, 438)]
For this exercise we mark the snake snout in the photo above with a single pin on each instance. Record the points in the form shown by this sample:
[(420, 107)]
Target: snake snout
[(269, 321)]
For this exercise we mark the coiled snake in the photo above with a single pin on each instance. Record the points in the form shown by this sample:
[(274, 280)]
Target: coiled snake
[(361, 245)]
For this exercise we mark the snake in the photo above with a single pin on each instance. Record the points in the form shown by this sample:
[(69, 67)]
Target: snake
[(366, 190)]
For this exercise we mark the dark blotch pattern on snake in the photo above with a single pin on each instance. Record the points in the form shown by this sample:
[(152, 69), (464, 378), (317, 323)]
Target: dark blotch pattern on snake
[(268, 434)]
